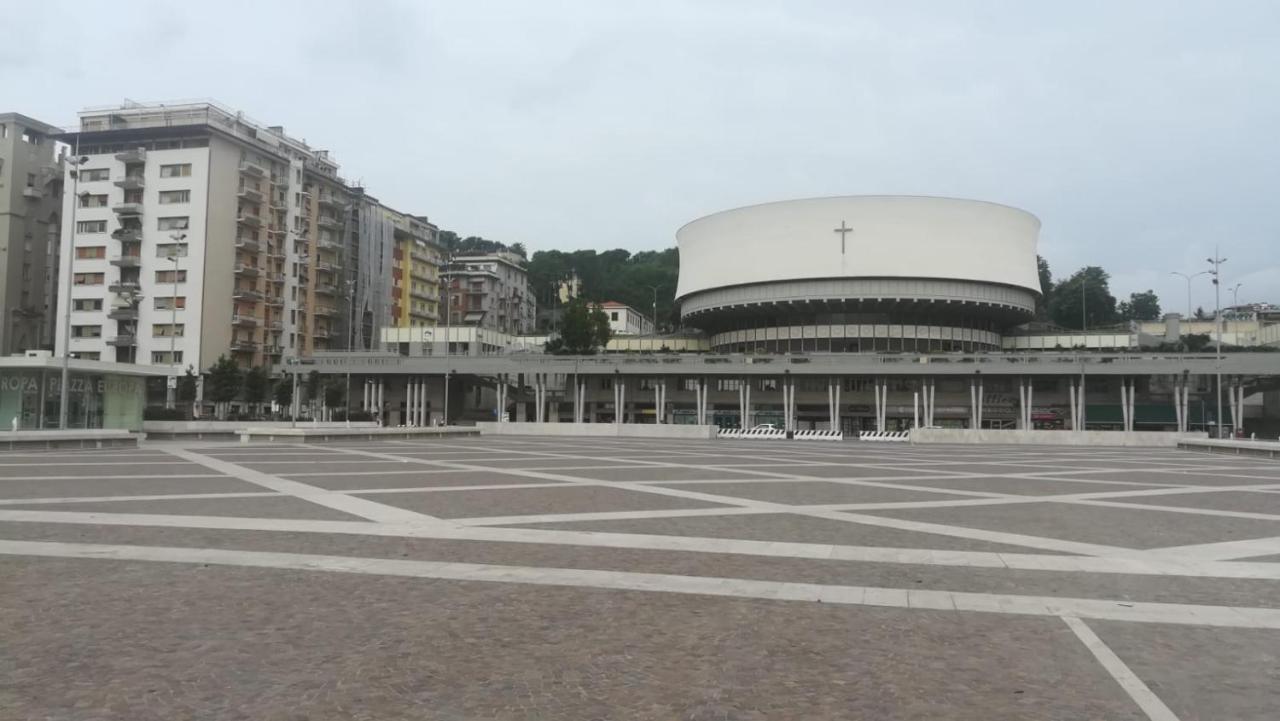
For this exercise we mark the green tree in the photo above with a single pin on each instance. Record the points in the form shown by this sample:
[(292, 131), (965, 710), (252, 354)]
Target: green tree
[(1046, 288), (1200, 314), (257, 384), (1140, 306), (224, 384), (187, 384), (335, 392), (1065, 304), (313, 390), (284, 393), (583, 330)]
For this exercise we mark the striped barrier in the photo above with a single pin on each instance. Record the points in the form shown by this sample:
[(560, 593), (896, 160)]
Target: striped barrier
[(885, 436), (819, 436), (761, 434)]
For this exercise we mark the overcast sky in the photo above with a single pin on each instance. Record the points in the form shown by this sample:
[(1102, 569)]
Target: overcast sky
[(1140, 133)]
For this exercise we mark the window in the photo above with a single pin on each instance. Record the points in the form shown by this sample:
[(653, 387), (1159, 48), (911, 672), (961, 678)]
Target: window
[(176, 222), (166, 276), (86, 331), (86, 304), (169, 197), (613, 315), (167, 302), (164, 330), (95, 251), (168, 250), (87, 355), (162, 357), (4, 130), (88, 278), (93, 201), (30, 137), (91, 226), (179, 170), (93, 175)]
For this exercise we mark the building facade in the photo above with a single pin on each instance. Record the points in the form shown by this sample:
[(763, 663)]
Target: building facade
[(625, 320), (31, 177), (415, 273), (858, 274), (200, 232), (490, 291)]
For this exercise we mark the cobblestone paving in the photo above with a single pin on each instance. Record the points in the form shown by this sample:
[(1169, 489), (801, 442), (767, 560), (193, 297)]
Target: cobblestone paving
[(623, 579)]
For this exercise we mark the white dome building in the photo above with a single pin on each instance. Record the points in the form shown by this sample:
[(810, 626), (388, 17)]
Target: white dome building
[(859, 273)]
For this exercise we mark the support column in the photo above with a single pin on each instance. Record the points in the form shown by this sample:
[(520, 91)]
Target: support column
[(831, 405), (915, 409), (748, 418), (1124, 402), (839, 387), (622, 402), (1030, 403), (974, 421), (378, 404), (882, 398), (933, 400), (410, 398), (1022, 405), (1075, 420), (423, 390), (981, 401), (1240, 405), (581, 390)]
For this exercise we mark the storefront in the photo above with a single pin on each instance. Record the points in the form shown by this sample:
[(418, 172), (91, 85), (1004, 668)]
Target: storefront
[(100, 395)]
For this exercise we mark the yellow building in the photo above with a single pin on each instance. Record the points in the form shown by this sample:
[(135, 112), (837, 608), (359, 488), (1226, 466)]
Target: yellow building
[(415, 270)]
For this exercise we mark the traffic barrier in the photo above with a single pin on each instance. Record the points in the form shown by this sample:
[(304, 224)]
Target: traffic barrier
[(885, 436), (761, 434), (819, 436)]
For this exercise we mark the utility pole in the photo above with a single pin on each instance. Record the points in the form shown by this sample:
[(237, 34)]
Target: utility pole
[(64, 402), (1235, 295), (1216, 261), (448, 318), (654, 288)]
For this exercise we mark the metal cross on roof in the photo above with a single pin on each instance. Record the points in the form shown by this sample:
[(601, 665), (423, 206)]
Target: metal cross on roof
[(843, 230)]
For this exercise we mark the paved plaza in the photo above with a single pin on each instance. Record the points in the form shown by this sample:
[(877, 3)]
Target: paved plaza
[(539, 578)]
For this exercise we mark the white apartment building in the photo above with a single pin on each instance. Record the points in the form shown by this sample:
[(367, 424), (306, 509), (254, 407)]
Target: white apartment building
[(625, 320), (198, 232)]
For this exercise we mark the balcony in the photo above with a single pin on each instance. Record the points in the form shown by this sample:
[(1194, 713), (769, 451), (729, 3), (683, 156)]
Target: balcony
[(326, 289), (136, 155), (127, 208), (121, 287), (273, 350), (326, 222), (244, 321), (275, 277), (131, 182), (250, 194), (320, 334), (32, 193), (249, 219), (276, 325), (246, 294), (127, 340), (127, 235), (244, 346), (275, 301), (277, 230), (126, 312), (247, 244), (127, 261), (280, 181), (249, 271), (331, 201), (326, 311), (249, 168), (330, 245), (424, 295), (275, 253), (325, 266)]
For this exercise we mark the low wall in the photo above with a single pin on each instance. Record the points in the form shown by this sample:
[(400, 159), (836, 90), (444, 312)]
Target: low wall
[(1148, 439), (228, 430), (600, 430), (303, 434), (1267, 449), (90, 438)]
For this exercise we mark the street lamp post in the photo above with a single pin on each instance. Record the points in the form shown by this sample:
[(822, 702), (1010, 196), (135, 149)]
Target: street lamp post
[(448, 318), (64, 402), (1216, 261), (351, 341), (1235, 295), (1188, 279)]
